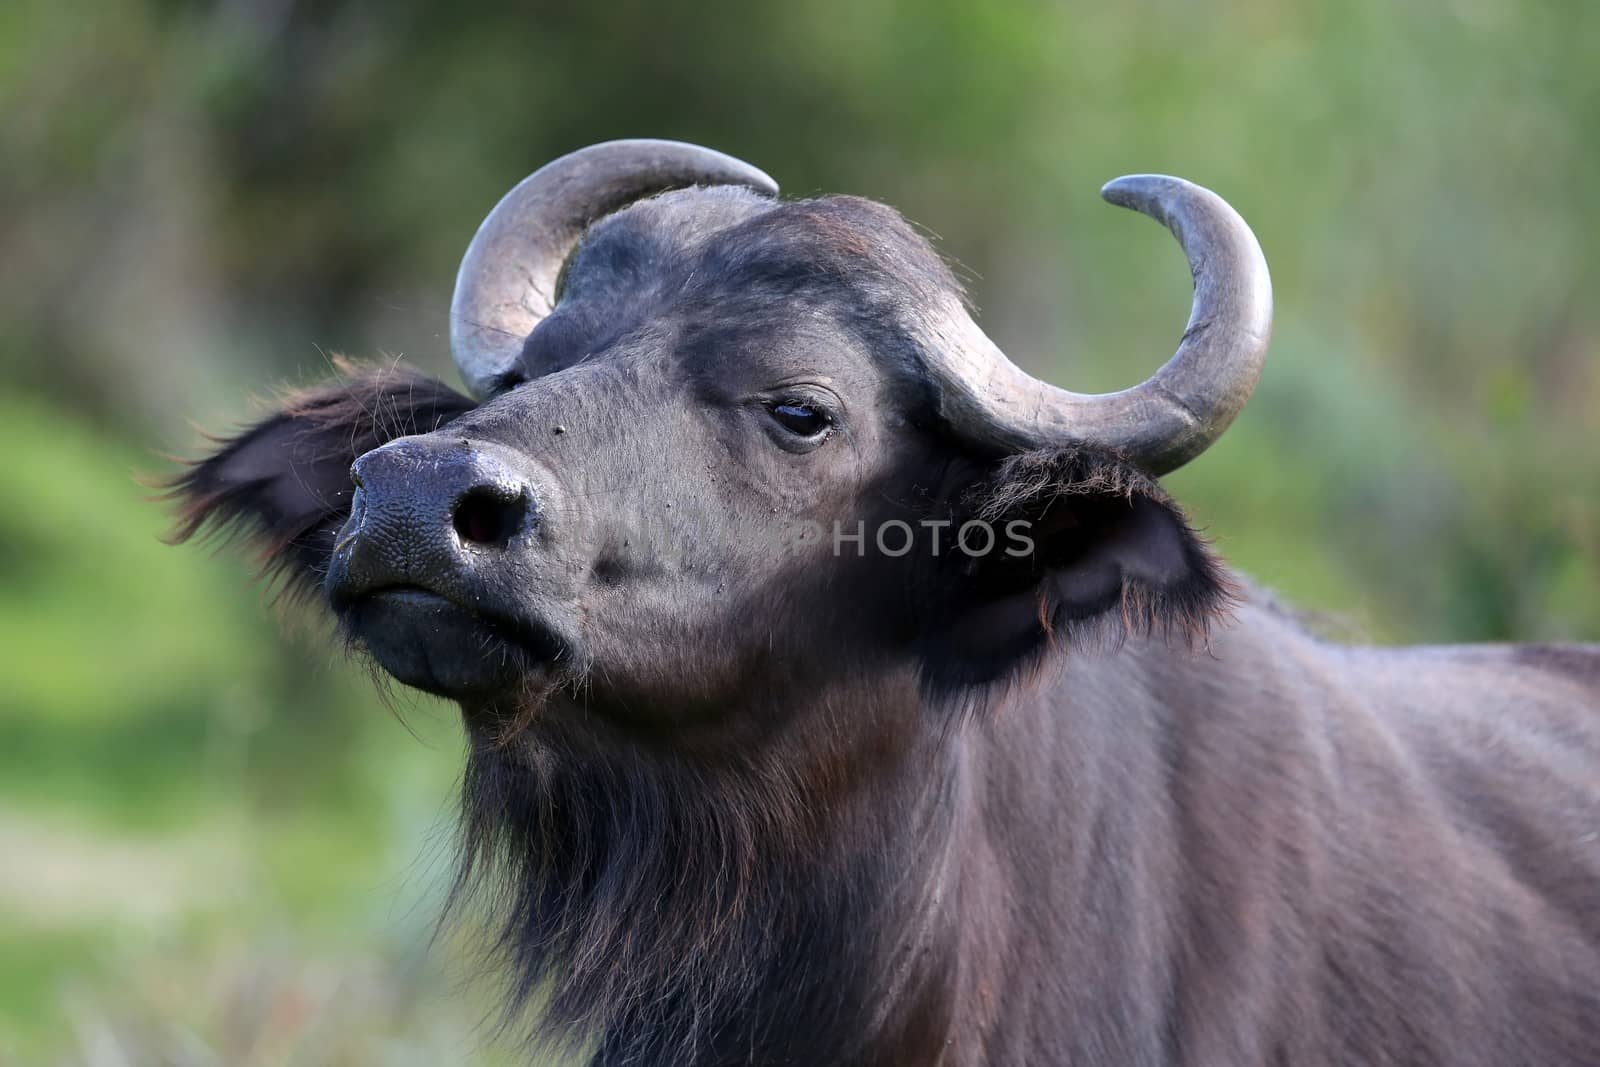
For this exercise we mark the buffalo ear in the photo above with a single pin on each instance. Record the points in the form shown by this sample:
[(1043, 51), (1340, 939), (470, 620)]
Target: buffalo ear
[(1085, 546), (285, 481)]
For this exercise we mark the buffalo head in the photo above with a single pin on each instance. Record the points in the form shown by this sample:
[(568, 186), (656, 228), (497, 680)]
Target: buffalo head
[(721, 444)]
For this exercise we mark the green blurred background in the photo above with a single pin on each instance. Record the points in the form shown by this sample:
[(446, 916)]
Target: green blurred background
[(216, 847)]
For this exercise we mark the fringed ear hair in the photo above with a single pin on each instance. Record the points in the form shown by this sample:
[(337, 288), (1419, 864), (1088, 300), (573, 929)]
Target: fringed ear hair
[(1086, 547), (285, 482)]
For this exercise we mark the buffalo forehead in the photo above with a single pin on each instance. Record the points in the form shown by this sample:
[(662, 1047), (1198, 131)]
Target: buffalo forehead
[(741, 283)]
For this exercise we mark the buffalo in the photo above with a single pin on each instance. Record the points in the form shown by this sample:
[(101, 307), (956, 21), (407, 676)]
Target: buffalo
[(835, 692)]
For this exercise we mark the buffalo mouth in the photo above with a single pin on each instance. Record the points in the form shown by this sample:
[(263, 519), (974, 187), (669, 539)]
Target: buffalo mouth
[(431, 642)]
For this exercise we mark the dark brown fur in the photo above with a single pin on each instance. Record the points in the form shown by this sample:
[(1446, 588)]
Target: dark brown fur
[(1101, 803)]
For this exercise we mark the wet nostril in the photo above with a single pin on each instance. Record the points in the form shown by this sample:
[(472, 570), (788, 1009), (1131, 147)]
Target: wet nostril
[(489, 517)]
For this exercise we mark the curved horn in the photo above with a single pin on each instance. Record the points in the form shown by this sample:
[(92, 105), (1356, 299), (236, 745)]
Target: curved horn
[(507, 279), (1173, 416)]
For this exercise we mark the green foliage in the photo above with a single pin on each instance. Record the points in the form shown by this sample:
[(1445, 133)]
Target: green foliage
[(175, 776), (198, 200)]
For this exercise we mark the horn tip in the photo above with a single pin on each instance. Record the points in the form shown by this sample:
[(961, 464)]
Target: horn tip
[(717, 167), (1138, 191)]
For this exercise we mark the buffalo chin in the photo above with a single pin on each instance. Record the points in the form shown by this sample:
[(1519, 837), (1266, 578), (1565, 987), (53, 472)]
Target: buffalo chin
[(431, 643)]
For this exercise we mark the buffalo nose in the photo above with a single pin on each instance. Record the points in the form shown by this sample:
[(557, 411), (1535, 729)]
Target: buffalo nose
[(426, 498)]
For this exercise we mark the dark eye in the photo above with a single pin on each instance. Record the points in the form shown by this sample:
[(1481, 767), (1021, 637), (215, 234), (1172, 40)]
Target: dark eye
[(801, 418)]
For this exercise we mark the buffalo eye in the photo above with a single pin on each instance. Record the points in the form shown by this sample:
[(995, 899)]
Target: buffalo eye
[(801, 418)]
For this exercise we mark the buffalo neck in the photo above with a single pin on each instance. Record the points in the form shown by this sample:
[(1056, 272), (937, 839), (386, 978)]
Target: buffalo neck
[(877, 891)]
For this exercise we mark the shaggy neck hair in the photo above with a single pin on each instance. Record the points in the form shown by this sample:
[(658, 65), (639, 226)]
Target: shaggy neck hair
[(678, 909)]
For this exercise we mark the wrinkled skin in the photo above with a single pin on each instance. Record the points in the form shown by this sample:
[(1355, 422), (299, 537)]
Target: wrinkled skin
[(743, 800)]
